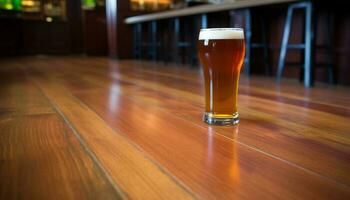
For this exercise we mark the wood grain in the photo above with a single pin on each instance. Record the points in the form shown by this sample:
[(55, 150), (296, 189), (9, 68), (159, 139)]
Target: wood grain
[(136, 175), (141, 125), (40, 158), (332, 148), (141, 122), (19, 95)]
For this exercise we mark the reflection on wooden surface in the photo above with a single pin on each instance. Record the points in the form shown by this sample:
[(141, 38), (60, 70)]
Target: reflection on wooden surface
[(134, 131)]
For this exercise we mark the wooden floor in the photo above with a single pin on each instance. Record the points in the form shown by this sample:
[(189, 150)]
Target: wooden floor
[(93, 128)]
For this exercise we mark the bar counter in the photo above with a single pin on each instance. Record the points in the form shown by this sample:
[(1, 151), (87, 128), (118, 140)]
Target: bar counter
[(94, 128), (202, 9)]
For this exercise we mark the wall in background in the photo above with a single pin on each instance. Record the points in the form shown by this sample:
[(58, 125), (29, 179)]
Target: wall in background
[(95, 31), (42, 32)]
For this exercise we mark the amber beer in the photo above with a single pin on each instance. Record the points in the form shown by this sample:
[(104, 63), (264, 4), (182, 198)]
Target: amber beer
[(221, 52)]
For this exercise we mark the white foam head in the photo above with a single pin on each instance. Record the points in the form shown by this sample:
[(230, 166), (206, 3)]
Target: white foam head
[(221, 33)]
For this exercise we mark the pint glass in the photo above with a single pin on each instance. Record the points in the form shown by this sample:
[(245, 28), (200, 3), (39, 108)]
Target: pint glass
[(221, 53)]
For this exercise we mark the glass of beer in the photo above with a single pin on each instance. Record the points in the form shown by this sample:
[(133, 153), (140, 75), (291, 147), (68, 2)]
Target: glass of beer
[(221, 53)]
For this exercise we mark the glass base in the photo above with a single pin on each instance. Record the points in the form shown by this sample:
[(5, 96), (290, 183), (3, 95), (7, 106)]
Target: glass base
[(213, 119)]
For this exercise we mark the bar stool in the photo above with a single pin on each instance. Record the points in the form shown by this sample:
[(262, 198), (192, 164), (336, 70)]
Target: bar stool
[(137, 40), (308, 44), (180, 44), (263, 44), (151, 45)]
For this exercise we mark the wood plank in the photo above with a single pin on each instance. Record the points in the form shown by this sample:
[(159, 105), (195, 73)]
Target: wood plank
[(339, 124), (288, 91), (130, 168), (327, 141), (256, 131), (20, 96), (211, 165), (292, 93), (191, 147), (165, 85), (263, 119), (41, 159)]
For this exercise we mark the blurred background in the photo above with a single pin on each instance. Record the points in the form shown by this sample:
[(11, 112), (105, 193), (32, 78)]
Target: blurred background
[(98, 28)]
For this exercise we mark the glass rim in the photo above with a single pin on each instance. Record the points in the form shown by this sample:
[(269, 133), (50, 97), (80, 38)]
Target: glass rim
[(221, 29)]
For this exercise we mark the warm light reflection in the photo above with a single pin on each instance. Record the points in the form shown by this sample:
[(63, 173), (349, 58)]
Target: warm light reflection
[(150, 4), (234, 171), (231, 170), (28, 3), (210, 144), (151, 120), (113, 97), (114, 89), (49, 19), (31, 5)]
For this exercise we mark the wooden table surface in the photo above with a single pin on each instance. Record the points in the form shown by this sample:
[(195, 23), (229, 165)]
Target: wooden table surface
[(94, 128)]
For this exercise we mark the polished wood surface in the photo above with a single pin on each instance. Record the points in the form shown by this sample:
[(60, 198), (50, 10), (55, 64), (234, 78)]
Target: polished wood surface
[(40, 156), (133, 130)]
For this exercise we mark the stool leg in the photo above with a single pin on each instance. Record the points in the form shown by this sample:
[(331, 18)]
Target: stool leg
[(248, 35), (187, 49), (330, 60), (138, 41), (139, 27), (160, 42), (135, 48), (204, 21), (268, 70), (169, 46), (134, 42), (150, 47), (284, 44), (308, 71), (154, 40), (149, 41), (176, 40)]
